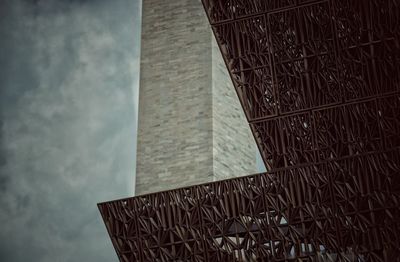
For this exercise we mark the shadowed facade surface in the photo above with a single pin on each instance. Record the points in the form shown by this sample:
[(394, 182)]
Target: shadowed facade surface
[(319, 83)]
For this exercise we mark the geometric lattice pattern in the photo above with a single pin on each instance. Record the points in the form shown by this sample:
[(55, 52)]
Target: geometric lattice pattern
[(342, 210), (314, 77), (319, 82)]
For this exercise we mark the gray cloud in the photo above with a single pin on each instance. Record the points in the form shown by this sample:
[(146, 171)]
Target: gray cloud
[(68, 118)]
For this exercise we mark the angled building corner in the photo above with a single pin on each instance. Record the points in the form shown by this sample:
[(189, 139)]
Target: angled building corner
[(320, 84)]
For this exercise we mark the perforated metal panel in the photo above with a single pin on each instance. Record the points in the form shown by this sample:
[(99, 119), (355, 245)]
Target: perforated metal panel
[(319, 83)]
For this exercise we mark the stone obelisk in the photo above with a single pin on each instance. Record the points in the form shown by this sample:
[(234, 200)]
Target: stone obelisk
[(191, 126)]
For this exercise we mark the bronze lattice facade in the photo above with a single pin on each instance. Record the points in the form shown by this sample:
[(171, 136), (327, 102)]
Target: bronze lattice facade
[(319, 83)]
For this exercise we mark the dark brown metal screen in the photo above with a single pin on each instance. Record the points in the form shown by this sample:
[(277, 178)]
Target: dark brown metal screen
[(319, 82)]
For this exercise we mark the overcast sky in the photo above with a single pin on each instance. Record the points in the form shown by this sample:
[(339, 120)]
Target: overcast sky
[(68, 113), (69, 78)]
